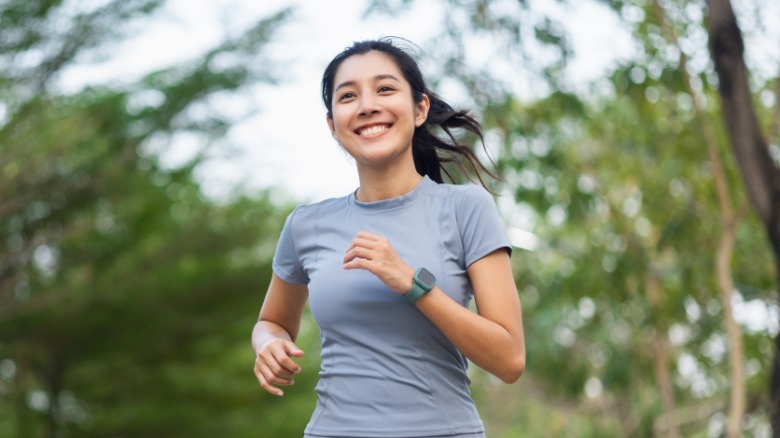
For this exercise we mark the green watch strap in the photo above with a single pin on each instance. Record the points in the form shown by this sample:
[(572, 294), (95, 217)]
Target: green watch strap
[(414, 293), (422, 282)]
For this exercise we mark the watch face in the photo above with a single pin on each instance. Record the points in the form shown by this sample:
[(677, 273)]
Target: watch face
[(426, 277)]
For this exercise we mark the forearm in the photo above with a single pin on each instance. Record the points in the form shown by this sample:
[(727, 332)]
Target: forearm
[(486, 343), (266, 331), (493, 338)]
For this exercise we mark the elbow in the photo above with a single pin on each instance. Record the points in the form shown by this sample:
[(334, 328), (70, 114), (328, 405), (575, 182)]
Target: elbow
[(513, 372)]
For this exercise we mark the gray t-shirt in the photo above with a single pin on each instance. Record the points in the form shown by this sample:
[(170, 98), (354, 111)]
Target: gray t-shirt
[(387, 371)]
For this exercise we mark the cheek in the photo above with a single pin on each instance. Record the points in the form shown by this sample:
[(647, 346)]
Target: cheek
[(340, 120)]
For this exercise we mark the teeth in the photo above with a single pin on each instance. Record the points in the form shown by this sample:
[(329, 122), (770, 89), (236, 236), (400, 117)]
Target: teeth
[(372, 130)]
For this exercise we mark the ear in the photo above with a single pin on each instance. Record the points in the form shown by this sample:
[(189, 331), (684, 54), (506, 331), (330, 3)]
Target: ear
[(421, 110), (331, 126)]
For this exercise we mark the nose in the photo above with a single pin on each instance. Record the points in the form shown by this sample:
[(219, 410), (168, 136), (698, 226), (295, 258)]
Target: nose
[(368, 105)]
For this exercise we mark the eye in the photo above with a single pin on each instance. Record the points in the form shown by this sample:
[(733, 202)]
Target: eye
[(386, 89), (346, 96)]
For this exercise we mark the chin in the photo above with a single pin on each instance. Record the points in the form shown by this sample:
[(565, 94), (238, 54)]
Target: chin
[(386, 156)]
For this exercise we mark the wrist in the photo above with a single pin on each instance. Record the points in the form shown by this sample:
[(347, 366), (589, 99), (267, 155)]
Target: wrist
[(260, 346), (423, 282)]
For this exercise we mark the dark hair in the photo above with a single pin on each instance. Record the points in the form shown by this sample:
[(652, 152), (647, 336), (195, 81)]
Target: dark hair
[(430, 152)]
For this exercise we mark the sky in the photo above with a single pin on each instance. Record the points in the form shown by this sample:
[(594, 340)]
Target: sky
[(287, 145)]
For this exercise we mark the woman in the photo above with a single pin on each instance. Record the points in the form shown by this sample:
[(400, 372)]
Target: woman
[(389, 270)]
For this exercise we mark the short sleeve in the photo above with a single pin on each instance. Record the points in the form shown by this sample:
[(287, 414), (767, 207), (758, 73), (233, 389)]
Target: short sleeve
[(480, 226), (286, 264)]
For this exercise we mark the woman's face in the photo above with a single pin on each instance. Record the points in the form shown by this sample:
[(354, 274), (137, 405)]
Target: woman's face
[(374, 115)]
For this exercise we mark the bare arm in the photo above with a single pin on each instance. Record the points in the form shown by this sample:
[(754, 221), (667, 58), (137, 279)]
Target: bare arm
[(492, 338), (275, 332)]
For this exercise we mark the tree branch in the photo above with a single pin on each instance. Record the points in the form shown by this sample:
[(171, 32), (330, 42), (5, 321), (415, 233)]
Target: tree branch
[(761, 177)]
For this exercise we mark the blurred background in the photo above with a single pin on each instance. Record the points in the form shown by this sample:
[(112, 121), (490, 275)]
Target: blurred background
[(150, 151)]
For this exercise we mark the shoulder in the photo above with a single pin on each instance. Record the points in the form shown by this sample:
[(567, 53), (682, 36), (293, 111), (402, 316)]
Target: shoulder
[(305, 213)]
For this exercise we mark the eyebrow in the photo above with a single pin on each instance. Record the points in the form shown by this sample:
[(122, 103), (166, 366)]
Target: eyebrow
[(376, 78)]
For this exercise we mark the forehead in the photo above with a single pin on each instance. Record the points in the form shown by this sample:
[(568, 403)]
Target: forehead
[(367, 66)]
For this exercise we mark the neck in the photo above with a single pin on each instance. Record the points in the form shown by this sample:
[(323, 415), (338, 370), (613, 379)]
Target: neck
[(379, 184)]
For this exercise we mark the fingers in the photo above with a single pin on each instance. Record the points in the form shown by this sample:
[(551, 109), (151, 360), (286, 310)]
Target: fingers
[(364, 239), (358, 249), (278, 359), (275, 367), (358, 263), (357, 253), (367, 236), (367, 246), (261, 372), (293, 351), (377, 255)]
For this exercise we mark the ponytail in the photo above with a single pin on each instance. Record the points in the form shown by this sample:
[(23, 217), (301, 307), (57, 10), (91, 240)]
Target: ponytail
[(432, 154)]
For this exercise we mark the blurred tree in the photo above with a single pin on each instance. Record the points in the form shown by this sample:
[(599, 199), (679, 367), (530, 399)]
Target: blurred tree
[(126, 296), (759, 171), (641, 247)]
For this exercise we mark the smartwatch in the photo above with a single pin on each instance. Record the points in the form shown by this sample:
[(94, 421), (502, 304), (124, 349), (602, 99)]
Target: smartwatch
[(423, 282)]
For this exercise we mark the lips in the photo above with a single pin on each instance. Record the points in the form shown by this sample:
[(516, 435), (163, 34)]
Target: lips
[(369, 131)]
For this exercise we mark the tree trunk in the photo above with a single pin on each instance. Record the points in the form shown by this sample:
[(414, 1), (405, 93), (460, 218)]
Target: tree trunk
[(665, 426), (761, 176), (737, 398), (729, 222), (758, 170)]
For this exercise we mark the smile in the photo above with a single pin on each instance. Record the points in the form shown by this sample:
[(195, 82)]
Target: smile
[(372, 130)]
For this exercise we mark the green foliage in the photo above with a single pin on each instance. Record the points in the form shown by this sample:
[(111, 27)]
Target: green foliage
[(126, 296), (615, 179), (624, 193)]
